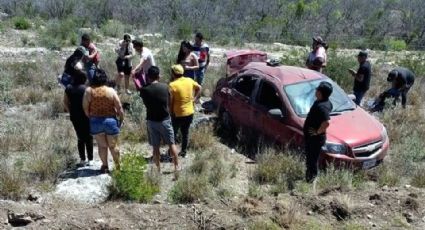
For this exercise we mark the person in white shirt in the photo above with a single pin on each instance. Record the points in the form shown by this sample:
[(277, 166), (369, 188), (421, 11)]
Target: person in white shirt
[(146, 58), (317, 58)]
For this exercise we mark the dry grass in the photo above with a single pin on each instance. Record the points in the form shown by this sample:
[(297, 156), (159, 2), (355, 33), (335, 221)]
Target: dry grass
[(202, 179), (202, 137), (418, 178), (288, 215), (281, 170), (340, 179)]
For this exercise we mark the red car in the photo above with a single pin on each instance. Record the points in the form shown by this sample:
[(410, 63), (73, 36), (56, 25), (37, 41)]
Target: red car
[(274, 101)]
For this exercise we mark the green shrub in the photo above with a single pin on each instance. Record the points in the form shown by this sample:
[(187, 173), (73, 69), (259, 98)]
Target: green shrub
[(202, 137), (396, 45), (337, 69), (59, 33), (114, 28), (21, 23), (131, 182)]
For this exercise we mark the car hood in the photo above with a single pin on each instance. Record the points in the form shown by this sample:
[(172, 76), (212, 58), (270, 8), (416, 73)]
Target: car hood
[(354, 128)]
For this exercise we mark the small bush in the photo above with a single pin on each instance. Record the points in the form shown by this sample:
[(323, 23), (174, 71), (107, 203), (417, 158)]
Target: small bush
[(341, 179), (418, 179), (12, 182), (396, 45), (131, 182), (202, 137), (59, 33), (388, 176), (113, 28), (288, 216), (190, 188), (21, 23), (337, 69), (264, 225), (279, 169)]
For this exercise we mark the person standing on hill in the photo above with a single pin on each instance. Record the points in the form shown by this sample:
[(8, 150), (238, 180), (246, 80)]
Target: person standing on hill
[(103, 107), (202, 50), (188, 59), (73, 103), (125, 52), (91, 61), (361, 77), (146, 61), (184, 91), (317, 58), (315, 126), (156, 97)]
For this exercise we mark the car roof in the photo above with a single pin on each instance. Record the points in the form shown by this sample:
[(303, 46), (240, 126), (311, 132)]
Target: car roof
[(285, 74)]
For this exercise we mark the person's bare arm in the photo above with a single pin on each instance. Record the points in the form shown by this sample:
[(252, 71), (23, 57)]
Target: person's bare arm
[(138, 67), (66, 102), (208, 60), (91, 56), (118, 106), (198, 90), (86, 101), (131, 52)]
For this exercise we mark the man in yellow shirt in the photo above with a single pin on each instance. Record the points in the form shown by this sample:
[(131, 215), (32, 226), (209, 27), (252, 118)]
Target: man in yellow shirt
[(184, 92)]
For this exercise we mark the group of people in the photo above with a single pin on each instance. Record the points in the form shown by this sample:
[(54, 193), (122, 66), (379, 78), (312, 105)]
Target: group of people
[(96, 110), (317, 120)]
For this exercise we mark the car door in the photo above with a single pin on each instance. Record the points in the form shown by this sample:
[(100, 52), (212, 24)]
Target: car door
[(268, 97), (240, 100)]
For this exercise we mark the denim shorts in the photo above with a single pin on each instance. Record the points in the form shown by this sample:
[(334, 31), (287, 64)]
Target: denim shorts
[(158, 130), (107, 125)]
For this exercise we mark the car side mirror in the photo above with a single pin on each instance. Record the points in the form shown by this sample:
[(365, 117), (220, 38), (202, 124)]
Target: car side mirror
[(352, 97), (276, 114)]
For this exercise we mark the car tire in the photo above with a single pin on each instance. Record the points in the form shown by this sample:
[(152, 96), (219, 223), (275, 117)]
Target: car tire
[(226, 126)]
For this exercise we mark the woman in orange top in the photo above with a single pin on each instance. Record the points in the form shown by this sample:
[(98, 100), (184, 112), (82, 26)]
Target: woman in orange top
[(103, 107)]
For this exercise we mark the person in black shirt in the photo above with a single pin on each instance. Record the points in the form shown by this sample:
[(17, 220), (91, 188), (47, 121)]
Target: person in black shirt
[(156, 99), (73, 102), (402, 80), (361, 77), (73, 65), (315, 126)]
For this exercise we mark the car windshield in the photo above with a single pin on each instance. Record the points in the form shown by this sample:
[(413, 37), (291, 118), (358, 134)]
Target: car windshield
[(302, 97)]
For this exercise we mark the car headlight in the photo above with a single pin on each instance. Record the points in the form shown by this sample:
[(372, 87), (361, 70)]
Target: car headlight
[(334, 148), (384, 135)]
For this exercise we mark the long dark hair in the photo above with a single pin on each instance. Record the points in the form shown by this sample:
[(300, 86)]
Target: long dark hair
[(73, 59), (181, 56)]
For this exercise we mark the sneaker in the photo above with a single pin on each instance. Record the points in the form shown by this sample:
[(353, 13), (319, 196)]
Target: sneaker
[(82, 163), (182, 154), (90, 163), (127, 91)]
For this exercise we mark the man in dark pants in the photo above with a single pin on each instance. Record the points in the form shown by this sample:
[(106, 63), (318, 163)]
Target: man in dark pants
[(156, 99), (184, 92), (401, 80), (315, 126), (361, 77)]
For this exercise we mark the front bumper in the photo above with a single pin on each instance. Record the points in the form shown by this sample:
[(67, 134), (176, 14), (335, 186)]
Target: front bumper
[(340, 160)]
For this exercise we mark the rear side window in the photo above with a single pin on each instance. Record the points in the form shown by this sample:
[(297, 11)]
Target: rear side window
[(245, 85), (268, 97)]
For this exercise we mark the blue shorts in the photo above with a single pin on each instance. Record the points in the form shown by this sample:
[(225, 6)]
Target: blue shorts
[(107, 125)]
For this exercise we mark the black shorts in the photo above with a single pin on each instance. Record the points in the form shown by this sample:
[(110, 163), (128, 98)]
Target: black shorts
[(123, 66)]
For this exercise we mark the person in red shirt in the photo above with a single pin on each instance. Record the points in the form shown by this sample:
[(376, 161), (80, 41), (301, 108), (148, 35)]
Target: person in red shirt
[(91, 61)]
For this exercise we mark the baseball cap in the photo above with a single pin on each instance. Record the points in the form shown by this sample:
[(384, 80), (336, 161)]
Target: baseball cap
[(362, 54), (177, 69), (83, 50), (325, 88)]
